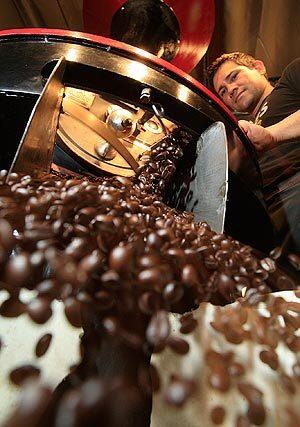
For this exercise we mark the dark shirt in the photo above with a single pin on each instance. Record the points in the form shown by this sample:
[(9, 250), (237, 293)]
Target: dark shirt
[(282, 162)]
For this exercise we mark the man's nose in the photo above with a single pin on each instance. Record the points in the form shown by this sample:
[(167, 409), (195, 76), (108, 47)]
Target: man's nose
[(232, 90)]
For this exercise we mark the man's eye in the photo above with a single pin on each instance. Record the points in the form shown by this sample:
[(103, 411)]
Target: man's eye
[(233, 76), (222, 93)]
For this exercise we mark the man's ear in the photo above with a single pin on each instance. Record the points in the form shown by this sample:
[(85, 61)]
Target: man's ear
[(259, 66)]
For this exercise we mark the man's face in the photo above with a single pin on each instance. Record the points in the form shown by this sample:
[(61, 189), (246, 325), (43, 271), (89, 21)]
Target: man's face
[(241, 88)]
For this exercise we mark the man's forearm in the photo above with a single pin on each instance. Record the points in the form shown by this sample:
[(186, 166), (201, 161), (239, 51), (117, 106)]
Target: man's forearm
[(287, 128)]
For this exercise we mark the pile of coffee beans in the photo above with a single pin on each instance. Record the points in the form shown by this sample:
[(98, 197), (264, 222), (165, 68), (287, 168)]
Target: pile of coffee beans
[(120, 260), (242, 367)]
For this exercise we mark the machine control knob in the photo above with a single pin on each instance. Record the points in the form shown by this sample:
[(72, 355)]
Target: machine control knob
[(121, 122), (145, 96), (105, 151)]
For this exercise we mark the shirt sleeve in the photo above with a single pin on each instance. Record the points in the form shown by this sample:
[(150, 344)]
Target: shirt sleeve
[(291, 76)]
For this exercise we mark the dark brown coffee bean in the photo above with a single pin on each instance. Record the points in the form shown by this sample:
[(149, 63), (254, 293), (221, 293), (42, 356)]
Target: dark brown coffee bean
[(149, 302), (217, 415), (12, 307), (85, 215), (92, 396), (189, 275), (270, 358), (111, 280), (121, 259), (39, 310), (19, 375), (18, 270), (73, 311), (78, 248), (7, 239), (47, 287), (226, 286), (256, 411), (92, 262), (188, 325), (152, 277), (268, 264), (173, 292), (42, 345), (178, 345), (148, 261), (276, 253)]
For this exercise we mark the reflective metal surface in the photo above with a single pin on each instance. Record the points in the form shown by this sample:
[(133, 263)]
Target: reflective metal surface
[(100, 128), (211, 181), (35, 152), (36, 52)]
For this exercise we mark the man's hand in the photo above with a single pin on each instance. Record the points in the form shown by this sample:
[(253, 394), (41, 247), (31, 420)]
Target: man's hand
[(261, 137)]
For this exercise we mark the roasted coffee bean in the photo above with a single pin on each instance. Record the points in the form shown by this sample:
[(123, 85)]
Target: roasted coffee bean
[(18, 270), (256, 411), (152, 277), (78, 248), (121, 259), (268, 264), (188, 324), (178, 345), (42, 345), (7, 239), (217, 415), (39, 310), (173, 292), (189, 275), (148, 261), (111, 280), (12, 307), (149, 302), (19, 375), (73, 311), (270, 358)]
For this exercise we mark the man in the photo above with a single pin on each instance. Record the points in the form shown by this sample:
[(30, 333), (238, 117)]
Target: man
[(241, 82)]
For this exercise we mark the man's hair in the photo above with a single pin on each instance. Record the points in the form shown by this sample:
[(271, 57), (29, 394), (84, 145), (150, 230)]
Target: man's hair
[(237, 57)]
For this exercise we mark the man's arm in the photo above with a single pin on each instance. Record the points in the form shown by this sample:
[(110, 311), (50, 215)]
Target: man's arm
[(265, 138)]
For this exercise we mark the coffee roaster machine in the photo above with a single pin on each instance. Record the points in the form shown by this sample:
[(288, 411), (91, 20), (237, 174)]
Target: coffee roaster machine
[(84, 104)]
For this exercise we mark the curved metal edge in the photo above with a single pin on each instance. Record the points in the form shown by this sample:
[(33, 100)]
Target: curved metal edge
[(126, 49), (142, 56)]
